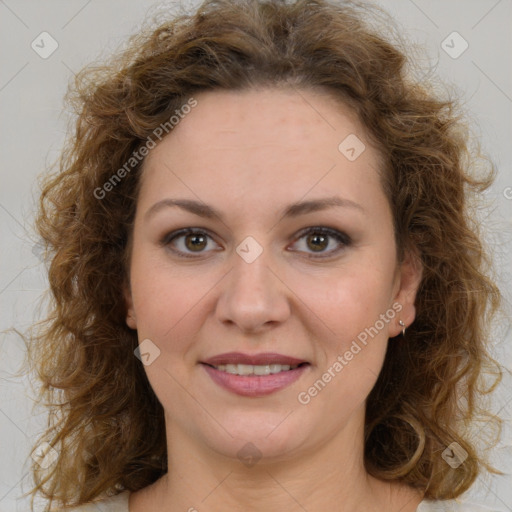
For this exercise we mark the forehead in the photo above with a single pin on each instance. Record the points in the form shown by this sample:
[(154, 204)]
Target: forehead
[(283, 117), (267, 141)]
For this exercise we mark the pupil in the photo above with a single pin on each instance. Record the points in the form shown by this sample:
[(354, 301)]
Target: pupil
[(195, 243), (315, 245)]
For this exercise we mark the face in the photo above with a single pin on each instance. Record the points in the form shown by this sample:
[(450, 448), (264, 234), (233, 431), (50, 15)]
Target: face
[(251, 273)]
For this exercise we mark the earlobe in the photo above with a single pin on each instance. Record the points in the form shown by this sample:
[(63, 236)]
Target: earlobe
[(410, 274), (131, 320)]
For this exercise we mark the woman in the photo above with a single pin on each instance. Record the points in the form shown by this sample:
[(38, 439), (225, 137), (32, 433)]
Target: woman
[(269, 294)]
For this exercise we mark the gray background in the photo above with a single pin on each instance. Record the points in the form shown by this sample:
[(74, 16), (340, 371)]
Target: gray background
[(33, 128)]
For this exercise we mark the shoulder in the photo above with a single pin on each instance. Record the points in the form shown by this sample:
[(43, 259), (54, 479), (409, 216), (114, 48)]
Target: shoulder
[(455, 506), (118, 503)]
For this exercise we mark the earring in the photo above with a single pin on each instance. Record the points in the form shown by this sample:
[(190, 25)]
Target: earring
[(403, 327)]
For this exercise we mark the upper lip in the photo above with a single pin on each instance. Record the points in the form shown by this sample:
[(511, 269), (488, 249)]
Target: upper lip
[(254, 359)]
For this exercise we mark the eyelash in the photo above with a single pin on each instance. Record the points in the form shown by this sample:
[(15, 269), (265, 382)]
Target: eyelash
[(339, 236)]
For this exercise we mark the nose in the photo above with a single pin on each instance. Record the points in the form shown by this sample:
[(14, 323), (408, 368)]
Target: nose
[(253, 295)]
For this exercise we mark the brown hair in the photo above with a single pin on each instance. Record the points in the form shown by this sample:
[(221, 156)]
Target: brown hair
[(428, 393)]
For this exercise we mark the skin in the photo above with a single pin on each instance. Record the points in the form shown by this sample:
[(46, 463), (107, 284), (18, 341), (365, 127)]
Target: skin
[(250, 154)]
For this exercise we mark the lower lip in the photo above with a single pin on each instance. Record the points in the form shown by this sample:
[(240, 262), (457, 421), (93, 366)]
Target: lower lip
[(255, 385)]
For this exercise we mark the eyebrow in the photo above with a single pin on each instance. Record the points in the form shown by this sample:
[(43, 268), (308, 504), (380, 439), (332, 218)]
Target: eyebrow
[(292, 210)]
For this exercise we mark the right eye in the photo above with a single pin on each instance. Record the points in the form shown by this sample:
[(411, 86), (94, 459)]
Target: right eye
[(186, 242)]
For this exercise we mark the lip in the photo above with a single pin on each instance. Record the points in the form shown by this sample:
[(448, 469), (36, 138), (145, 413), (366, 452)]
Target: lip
[(255, 385), (254, 359)]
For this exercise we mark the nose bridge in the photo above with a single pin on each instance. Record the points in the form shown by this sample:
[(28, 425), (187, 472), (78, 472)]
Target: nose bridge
[(252, 296), (251, 267)]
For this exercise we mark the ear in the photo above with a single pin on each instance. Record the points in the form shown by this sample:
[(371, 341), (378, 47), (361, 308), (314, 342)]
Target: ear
[(131, 319), (407, 283)]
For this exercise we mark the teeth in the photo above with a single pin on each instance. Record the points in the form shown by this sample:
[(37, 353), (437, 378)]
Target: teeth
[(250, 369)]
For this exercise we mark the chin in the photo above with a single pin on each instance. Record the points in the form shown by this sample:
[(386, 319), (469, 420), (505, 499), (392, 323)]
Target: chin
[(270, 439)]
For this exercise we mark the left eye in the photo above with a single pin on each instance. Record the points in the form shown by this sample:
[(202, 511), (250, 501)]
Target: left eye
[(318, 238), (187, 241)]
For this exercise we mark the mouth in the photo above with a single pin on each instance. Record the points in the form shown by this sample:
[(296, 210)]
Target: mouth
[(254, 375)]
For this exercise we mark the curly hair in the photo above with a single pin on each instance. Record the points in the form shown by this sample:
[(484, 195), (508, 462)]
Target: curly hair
[(431, 387)]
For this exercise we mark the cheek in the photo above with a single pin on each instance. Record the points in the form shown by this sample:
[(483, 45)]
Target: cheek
[(346, 303), (351, 346), (354, 347), (165, 314), (164, 301), (167, 308)]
